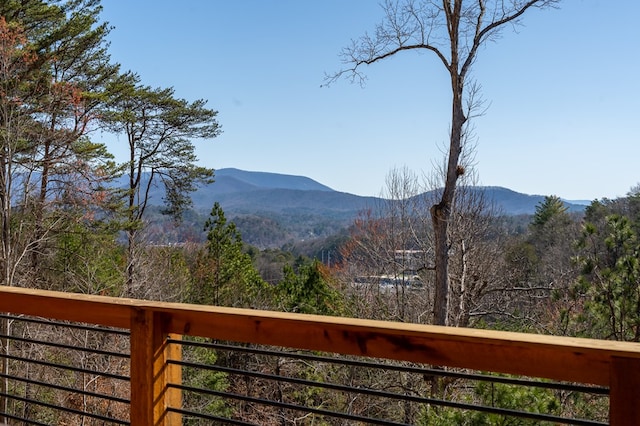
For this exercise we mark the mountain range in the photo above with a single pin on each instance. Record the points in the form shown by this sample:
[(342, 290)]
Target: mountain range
[(240, 191), (272, 209)]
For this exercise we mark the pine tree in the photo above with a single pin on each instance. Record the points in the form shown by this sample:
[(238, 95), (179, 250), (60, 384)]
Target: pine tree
[(224, 275), (159, 129), (610, 280)]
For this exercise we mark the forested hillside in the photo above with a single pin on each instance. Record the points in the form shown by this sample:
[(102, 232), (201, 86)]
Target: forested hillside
[(272, 209), (250, 192)]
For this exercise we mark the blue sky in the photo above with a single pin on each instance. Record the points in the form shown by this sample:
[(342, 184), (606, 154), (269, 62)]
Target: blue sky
[(563, 93)]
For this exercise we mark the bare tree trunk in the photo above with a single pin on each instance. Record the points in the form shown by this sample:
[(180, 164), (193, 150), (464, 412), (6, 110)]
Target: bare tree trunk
[(131, 263), (440, 217), (441, 212), (5, 199), (437, 26)]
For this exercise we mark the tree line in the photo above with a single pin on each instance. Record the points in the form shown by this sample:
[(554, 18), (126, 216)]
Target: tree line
[(59, 92), (563, 273)]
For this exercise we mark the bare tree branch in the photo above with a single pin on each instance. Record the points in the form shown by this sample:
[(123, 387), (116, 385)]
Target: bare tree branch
[(458, 27)]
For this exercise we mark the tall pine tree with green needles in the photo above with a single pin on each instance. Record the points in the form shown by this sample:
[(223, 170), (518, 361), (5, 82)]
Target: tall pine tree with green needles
[(53, 73), (159, 130), (610, 280), (53, 89), (551, 207), (309, 291), (225, 275)]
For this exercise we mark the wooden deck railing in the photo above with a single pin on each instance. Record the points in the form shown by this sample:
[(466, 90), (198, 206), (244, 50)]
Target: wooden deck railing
[(606, 363)]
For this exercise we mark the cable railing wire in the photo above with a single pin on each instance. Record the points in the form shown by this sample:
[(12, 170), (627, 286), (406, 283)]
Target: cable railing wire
[(66, 389), (597, 390), (65, 409), (289, 406), (67, 367), (38, 349), (350, 361), (371, 420), (64, 346), (22, 419), (305, 383), (70, 325)]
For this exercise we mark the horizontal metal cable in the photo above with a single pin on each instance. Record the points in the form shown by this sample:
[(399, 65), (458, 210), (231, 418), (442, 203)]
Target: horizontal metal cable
[(67, 410), (65, 346), (597, 390), (294, 407), (22, 419), (303, 382), (67, 324), (388, 395), (65, 388), (66, 367), (210, 417)]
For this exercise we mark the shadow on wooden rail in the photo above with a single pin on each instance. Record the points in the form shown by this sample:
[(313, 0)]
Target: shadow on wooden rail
[(606, 363)]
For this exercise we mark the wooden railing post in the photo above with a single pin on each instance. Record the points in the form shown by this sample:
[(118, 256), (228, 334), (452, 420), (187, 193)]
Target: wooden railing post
[(173, 374), (150, 372), (624, 392)]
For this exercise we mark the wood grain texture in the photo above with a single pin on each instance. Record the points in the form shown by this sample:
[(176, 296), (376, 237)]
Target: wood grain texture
[(605, 363)]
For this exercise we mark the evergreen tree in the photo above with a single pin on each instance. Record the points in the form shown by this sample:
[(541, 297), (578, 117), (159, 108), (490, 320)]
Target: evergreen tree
[(548, 209), (610, 280), (55, 69), (159, 129), (308, 291), (224, 274), (87, 259), (53, 64)]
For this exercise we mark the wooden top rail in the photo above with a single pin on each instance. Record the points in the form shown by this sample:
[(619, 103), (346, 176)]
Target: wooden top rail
[(552, 357)]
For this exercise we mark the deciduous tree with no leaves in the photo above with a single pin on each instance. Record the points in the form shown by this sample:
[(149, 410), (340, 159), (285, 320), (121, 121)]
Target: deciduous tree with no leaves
[(453, 30)]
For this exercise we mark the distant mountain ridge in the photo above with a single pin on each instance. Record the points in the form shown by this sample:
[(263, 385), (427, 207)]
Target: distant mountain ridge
[(246, 191), (234, 180), (272, 209)]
